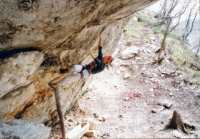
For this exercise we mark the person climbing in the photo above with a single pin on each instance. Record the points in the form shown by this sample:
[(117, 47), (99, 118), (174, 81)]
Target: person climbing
[(96, 66)]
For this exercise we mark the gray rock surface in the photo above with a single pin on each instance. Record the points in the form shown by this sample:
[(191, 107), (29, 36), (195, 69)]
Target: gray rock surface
[(19, 129), (16, 71)]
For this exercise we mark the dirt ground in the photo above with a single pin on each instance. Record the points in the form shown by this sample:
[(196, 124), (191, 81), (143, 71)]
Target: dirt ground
[(135, 98)]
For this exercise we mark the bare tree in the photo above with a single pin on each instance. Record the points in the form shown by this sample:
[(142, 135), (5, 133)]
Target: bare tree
[(163, 9), (161, 50), (178, 16), (198, 46), (189, 24), (171, 19), (168, 10), (171, 14)]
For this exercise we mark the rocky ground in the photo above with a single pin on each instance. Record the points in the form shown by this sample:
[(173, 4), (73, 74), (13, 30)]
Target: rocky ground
[(135, 98)]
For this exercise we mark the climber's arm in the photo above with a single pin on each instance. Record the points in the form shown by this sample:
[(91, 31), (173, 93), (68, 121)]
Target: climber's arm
[(100, 53)]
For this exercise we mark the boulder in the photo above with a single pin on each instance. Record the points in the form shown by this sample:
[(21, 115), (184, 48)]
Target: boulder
[(19, 129), (129, 52)]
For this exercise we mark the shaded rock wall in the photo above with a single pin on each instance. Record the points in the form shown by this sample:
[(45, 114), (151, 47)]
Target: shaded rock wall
[(19, 129), (65, 30)]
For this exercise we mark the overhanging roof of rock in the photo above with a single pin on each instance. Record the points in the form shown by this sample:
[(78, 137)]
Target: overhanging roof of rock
[(49, 24)]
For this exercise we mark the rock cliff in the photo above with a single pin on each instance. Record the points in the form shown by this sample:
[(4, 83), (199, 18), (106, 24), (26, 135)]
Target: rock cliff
[(65, 31)]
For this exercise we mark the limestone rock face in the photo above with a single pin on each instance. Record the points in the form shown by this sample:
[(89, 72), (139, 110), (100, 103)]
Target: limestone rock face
[(51, 24), (25, 92), (66, 31), (15, 71)]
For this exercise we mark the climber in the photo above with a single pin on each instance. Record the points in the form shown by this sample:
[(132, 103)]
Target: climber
[(96, 66)]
